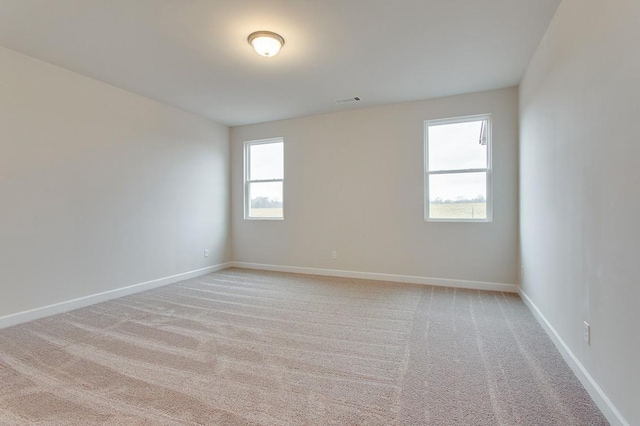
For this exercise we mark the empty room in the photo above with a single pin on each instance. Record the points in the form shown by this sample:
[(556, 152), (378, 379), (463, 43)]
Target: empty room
[(337, 212)]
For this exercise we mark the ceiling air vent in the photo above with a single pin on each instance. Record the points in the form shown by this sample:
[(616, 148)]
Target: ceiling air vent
[(348, 100)]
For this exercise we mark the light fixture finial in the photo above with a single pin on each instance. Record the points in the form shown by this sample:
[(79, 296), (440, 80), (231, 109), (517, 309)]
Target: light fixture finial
[(266, 43)]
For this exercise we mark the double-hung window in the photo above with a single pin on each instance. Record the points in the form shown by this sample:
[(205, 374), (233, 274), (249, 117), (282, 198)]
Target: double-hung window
[(264, 179), (458, 169)]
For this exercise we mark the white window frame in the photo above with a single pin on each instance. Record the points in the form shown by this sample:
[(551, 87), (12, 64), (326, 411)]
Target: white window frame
[(487, 170), (248, 182)]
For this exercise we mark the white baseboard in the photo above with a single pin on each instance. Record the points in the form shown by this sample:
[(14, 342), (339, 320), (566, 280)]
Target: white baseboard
[(441, 282), (597, 394), (81, 302)]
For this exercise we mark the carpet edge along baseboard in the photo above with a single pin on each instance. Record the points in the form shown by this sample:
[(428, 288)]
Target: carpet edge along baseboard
[(92, 299)]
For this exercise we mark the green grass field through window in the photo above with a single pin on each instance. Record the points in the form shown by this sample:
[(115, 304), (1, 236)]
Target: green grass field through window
[(458, 211)]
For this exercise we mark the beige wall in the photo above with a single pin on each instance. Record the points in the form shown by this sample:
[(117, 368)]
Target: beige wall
[(580, 157), (100, 188), (354, 183)]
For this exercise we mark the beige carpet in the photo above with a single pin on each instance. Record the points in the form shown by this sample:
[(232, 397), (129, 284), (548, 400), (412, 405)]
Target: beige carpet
[(246, 347)]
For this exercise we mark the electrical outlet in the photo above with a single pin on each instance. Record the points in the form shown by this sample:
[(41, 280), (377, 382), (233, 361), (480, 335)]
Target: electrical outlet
[(586, 333), (206, 252), (334, 254)]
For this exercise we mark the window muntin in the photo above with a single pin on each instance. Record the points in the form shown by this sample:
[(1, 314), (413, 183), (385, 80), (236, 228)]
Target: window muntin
[(458, 169), (264, 179)]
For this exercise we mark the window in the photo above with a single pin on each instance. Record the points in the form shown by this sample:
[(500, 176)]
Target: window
[(264, 179), (458, 169)]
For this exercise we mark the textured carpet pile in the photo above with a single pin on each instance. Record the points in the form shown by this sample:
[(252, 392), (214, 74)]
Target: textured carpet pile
[(243, 347)]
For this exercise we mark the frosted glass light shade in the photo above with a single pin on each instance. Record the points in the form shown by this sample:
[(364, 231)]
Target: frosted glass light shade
[(266, 43)]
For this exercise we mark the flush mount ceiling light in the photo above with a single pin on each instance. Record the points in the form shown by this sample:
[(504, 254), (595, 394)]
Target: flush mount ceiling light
[(266, 43)]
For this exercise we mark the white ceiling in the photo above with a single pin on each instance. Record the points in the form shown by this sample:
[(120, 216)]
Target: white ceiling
[(193, 54)]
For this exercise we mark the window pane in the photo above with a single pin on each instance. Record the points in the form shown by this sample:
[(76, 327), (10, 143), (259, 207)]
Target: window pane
[(265, 199), (267, 161), (458, 196), (458, 146)]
